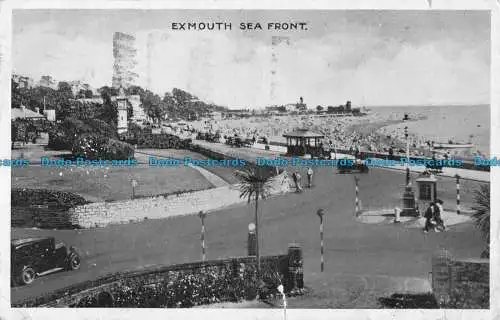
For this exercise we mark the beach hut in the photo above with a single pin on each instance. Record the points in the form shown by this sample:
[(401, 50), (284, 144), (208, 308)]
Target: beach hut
[(303, 141)]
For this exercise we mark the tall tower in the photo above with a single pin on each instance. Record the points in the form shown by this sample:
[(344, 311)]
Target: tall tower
[(122, 102), (124, 52)]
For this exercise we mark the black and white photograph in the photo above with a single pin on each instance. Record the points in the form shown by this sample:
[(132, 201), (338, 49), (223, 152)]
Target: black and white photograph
[(250, 158)]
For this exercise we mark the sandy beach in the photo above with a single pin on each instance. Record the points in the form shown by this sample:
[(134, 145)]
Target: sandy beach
[(378, 131)]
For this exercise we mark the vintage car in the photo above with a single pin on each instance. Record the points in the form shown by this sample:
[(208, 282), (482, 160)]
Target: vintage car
[(358, 166), (38, 256)]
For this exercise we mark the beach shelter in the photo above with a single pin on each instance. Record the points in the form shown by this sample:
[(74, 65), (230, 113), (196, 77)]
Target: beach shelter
[(303, 141)]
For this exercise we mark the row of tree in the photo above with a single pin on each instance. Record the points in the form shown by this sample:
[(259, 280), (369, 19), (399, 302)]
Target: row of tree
[(177, 104)]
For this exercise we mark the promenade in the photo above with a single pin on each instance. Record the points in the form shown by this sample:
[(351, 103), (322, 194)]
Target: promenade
[(363, 261)]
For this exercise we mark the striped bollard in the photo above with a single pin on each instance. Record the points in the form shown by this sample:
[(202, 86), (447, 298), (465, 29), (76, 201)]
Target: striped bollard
[(320, 214), (202, 216), (458, 193), (356, 179)]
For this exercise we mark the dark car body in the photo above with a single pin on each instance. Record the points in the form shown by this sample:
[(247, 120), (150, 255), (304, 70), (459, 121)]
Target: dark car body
[(357, 166), (37, 256)]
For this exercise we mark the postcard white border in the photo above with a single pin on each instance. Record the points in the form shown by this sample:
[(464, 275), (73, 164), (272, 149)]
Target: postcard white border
[(241, 314)]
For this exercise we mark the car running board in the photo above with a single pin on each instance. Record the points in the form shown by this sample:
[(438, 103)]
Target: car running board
[(49, 271)]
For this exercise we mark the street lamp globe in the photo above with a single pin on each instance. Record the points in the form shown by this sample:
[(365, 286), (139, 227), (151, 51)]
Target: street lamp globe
[(251, 227)]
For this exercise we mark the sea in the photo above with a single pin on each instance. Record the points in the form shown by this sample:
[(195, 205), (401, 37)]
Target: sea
[(460, 124)]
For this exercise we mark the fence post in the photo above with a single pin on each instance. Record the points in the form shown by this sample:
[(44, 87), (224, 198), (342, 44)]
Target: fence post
[(202, 216), (458, 193), (321, 213), (356, 203)]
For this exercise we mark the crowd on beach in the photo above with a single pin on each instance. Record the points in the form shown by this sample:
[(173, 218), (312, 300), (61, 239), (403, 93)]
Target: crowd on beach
[(364, 134), (340, 133)]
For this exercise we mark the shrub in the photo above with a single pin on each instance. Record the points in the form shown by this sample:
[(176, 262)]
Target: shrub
[(100, 147), (64, 135)]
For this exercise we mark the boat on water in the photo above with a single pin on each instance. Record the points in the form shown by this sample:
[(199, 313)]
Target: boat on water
[(452, 145)]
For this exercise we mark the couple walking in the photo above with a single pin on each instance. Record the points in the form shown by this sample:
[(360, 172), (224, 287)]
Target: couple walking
[(433, 218), (297, 179)]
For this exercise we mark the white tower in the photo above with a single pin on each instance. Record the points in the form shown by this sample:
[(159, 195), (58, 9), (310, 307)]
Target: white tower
[(122, 102)]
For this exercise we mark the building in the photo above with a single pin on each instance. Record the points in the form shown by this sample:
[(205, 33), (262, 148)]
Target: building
[(216, 115), (26, 114), (48, 81), (77, 86), (23, 81), (50, 115)]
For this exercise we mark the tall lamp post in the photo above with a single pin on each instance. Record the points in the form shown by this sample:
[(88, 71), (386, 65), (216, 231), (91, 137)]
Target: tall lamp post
[(408, 195)]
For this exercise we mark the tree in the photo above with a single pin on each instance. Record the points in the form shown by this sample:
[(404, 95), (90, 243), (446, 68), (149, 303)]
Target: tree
[(65, 89), (254, 184), (319, 108), (482, 215)]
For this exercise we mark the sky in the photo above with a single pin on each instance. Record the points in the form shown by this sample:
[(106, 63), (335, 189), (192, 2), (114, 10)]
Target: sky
[(371, 57)]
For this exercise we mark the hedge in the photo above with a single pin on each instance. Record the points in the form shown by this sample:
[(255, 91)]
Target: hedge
[(159, 141), (177, 286), (63, 136)]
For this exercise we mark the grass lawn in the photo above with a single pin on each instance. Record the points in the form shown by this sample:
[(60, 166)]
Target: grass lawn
[(225, 173), (113, 183), (99, 184)]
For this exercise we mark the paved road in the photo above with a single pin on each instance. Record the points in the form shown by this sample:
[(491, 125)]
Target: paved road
[(351, 247)]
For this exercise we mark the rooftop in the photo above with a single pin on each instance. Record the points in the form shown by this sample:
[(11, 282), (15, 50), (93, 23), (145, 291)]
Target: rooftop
[(18, 242), (303, 133), (24, 113)]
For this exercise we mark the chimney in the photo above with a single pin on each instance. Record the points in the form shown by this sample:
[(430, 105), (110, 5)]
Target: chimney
[(37, 110)]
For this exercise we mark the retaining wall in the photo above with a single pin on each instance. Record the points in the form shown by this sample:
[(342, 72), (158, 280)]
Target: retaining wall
[(104, 213), (463, 284)]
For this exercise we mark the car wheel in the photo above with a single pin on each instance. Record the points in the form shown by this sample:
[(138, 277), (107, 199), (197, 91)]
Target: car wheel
[(74, 262), (27, 276)]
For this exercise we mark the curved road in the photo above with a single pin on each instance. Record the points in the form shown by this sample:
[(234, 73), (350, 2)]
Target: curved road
[(351, 247)]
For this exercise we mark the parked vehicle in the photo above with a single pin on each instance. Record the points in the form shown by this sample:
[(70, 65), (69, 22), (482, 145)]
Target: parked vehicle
[(39, 256), (358, 166)]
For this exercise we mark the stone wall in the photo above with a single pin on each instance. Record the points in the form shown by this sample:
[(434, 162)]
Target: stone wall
[(462, 284), (184, 285), (104, 213)]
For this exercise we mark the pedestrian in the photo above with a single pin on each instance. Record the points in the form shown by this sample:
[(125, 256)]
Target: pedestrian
[(429, 215), (437, 216), (309, 176), (297, 179)]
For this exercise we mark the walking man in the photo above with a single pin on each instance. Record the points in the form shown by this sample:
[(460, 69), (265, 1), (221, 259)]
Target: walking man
[(298, 183), (437, 216), (309, 177), (429, 215)]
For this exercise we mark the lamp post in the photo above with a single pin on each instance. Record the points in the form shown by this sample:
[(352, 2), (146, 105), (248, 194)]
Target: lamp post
[(408, 195), (407, 157), (356, 200), (252, 240), (320, 214)]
